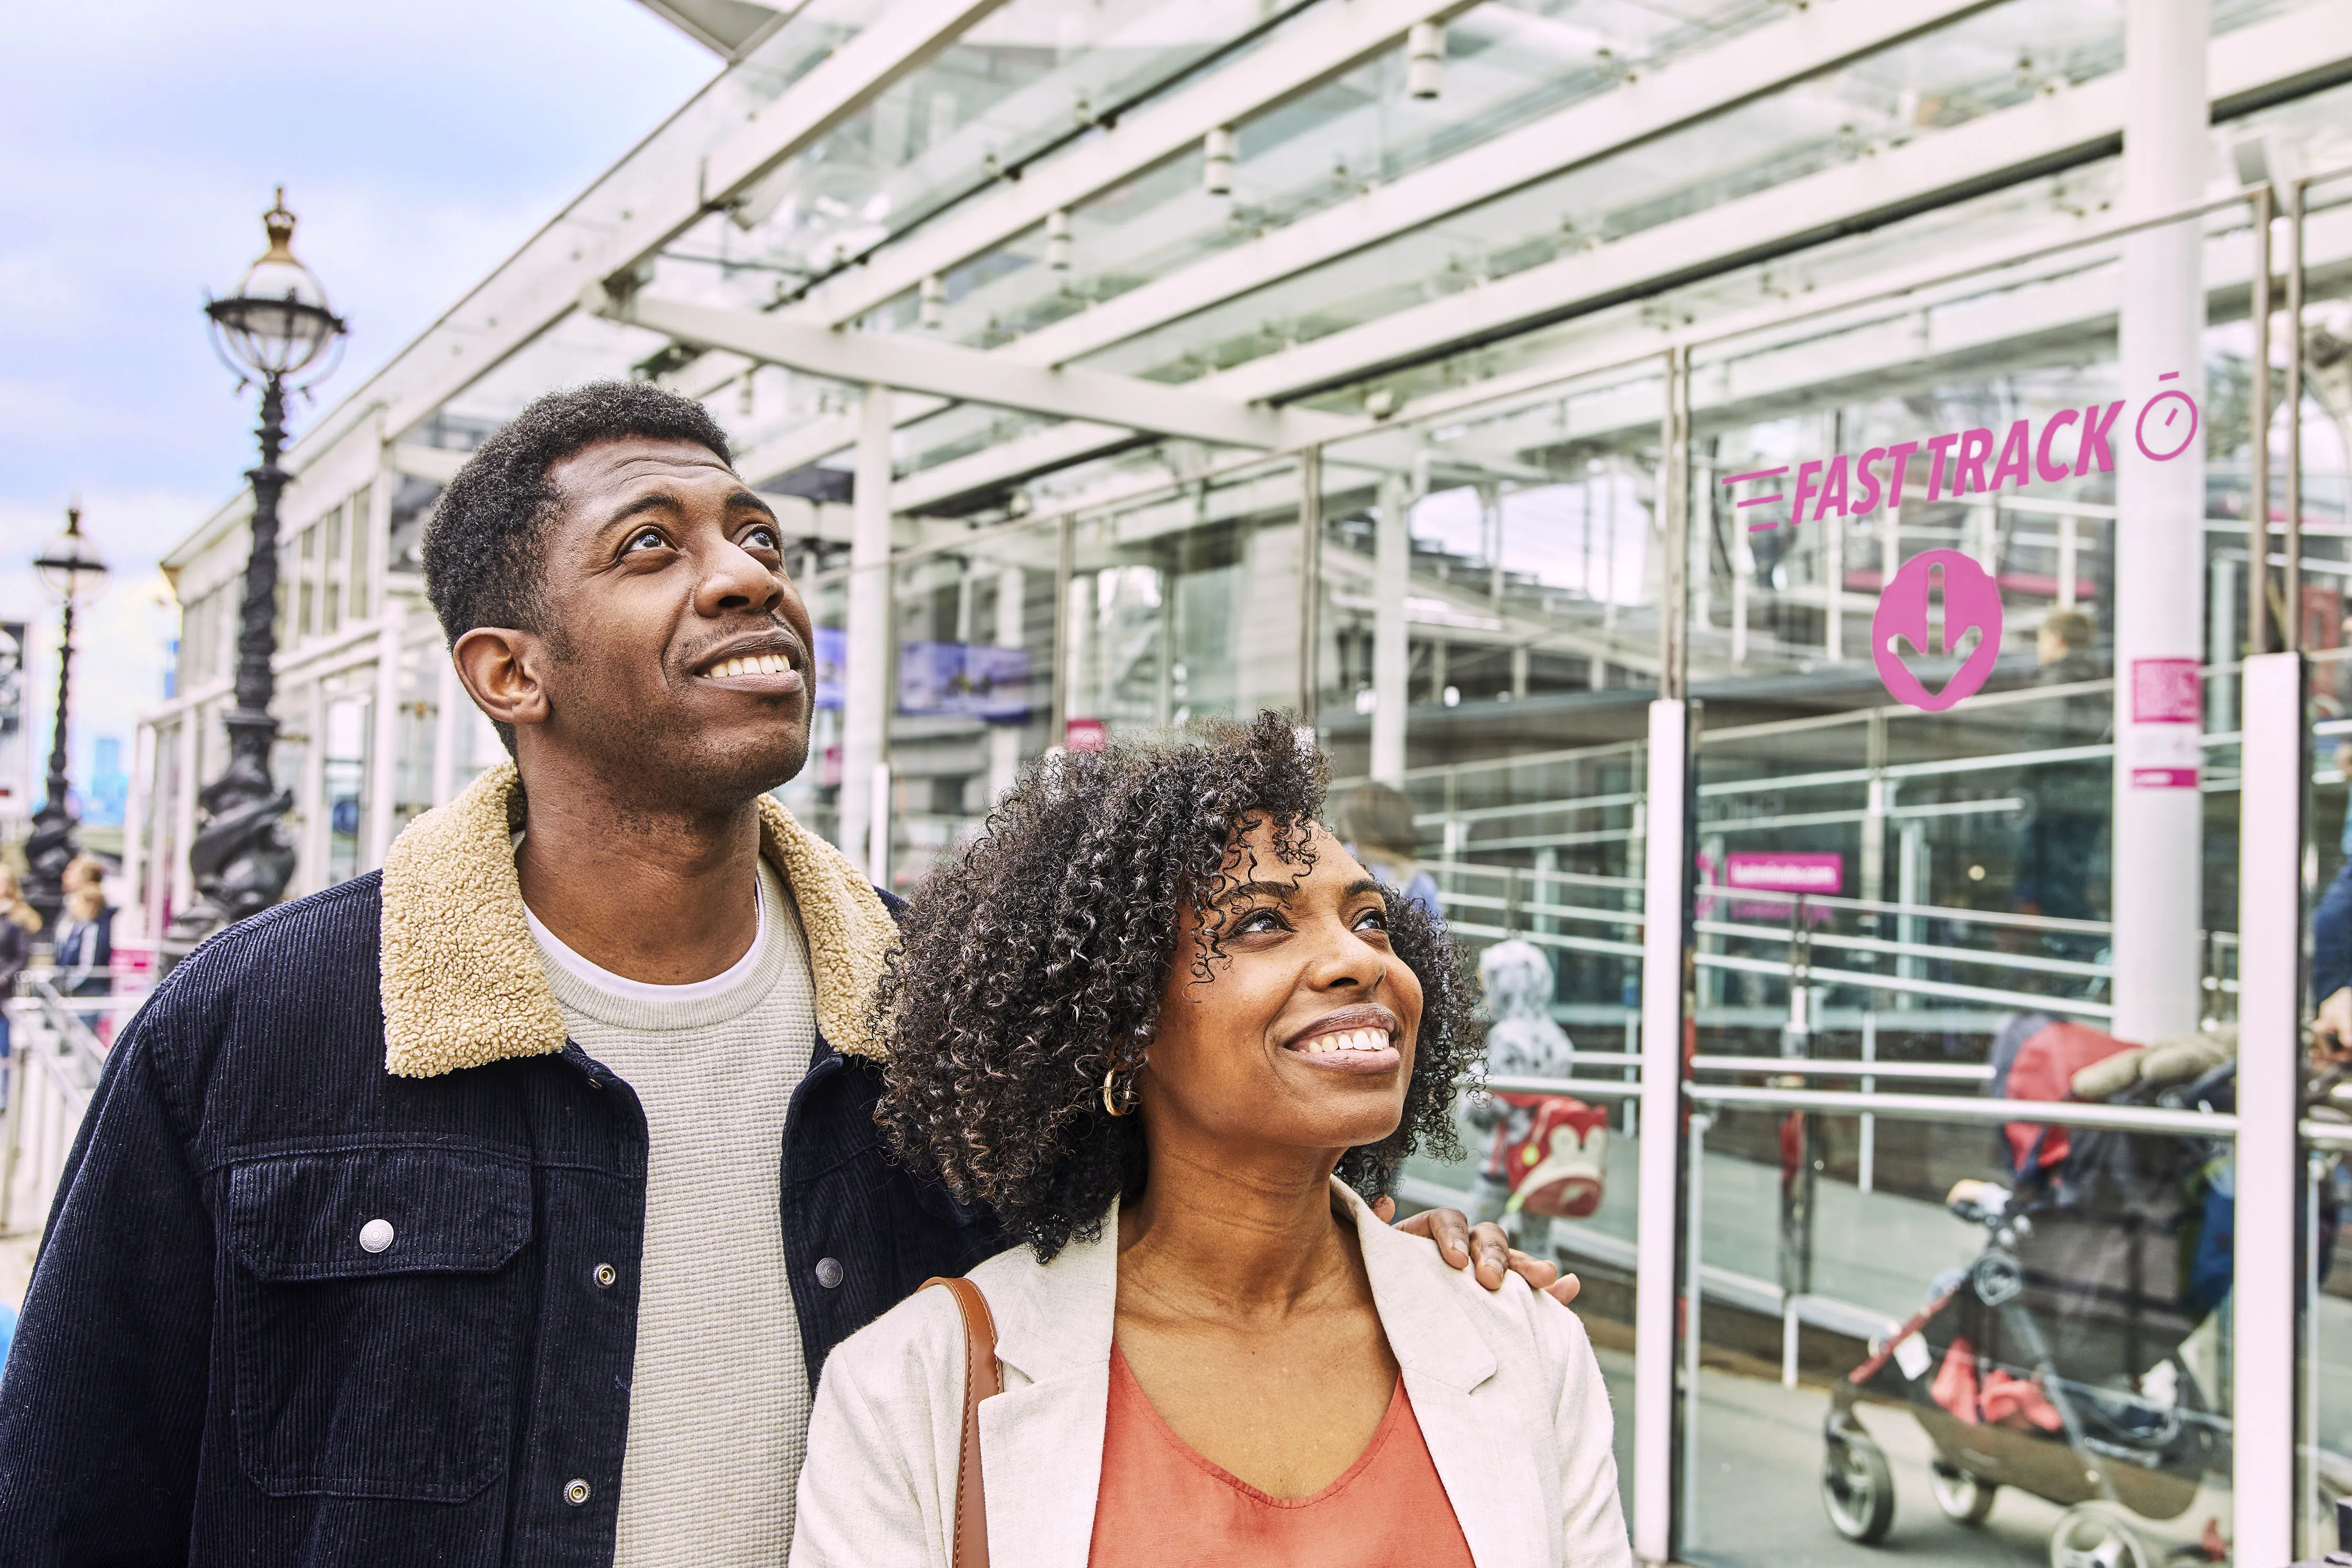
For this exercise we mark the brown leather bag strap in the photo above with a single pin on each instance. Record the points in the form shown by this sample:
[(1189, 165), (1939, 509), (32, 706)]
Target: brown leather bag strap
[(983, 1378)]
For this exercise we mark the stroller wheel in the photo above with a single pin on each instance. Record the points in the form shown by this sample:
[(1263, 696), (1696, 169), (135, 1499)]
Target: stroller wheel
[(1857, 1489), (2089, 1536), (1965, 1499)]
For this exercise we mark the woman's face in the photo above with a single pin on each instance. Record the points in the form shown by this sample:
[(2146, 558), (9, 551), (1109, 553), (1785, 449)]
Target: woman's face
[(1304, 1036)]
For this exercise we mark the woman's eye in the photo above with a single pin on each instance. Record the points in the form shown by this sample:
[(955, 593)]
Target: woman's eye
[(1257, 920), (1372, 920)]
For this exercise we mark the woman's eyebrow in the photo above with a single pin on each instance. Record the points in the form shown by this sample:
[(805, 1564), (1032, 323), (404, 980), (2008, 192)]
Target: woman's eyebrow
[(1365, 884), (1280, 891)]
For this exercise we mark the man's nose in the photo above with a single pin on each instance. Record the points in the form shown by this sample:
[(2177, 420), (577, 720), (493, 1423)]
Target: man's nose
[(735, 580)]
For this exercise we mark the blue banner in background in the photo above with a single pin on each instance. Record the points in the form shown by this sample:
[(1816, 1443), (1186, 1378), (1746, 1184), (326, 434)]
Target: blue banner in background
[(967, 680)]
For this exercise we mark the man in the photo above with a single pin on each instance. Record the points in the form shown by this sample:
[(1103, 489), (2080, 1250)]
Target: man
[(503, 1209)]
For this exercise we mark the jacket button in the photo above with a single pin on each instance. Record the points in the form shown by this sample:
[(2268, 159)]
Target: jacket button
[(606, 1274), (828, 1272), (575, 1492), (375, 1236)]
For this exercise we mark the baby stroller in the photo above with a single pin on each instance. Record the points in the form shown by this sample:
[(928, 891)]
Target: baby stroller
[(2053, 1362)]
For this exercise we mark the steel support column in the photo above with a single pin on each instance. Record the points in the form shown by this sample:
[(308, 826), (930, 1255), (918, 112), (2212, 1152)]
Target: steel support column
[(2276, 771), (2160, 550), (1665, 942), (1391, 651), (865, 696)]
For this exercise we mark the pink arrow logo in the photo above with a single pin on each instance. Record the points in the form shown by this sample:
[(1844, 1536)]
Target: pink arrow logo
[(1971, 603)]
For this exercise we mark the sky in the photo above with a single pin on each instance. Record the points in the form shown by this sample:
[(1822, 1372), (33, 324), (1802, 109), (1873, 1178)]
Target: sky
[(419, 143)]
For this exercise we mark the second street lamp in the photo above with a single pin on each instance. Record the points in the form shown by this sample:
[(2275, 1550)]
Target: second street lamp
[(71, 570), (275, 330)]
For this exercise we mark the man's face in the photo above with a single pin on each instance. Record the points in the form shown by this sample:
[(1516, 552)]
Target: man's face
[(677, 654)]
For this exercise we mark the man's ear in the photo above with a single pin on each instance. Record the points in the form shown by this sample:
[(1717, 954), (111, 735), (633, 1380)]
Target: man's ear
[(499, 667)]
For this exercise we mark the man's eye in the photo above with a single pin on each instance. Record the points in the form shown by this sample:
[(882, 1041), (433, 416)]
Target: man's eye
[(645, 539), (763, 538)]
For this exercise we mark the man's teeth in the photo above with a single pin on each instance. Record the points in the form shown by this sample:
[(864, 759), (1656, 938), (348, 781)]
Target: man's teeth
[(1353, 1040), (758, 665)]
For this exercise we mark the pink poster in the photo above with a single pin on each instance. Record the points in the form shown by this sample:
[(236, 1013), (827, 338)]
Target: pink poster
[(2162, 747)]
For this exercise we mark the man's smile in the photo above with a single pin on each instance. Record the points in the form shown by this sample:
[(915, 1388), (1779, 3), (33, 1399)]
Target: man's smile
[(771, 661)]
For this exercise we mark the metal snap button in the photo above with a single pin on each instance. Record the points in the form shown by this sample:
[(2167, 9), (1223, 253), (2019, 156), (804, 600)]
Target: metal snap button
[(375, 1236), (606, 1275), (575, 1492), (828, 1272)]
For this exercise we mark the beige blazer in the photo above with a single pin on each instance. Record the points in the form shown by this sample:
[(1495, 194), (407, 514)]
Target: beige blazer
[(1504, 1385)]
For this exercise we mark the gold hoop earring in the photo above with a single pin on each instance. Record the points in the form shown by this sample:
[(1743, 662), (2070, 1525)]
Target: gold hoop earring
[(1109, 1108)]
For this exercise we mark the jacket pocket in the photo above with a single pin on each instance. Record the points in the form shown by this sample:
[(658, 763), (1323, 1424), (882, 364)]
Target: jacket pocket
[(373, 1306)]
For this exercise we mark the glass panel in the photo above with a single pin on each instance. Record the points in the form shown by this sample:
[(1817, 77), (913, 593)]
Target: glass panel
[(1493, 576), (1905, 591), (1184, 605), (2325, 432), (1971, 1381), (814, 796), (331, 570), (1528, 599), (344, 776), (306, 590), (975, 628), (362, 533)]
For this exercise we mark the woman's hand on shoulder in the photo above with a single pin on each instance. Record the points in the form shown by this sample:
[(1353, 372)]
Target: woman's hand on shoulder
[(1459, 1242)]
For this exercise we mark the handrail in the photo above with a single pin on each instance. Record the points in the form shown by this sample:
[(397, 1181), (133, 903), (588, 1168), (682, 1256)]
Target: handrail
[(1969, 1108), (1813, 1067)]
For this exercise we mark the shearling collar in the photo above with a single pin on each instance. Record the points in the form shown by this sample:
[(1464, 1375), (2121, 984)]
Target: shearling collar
[(462, 985)]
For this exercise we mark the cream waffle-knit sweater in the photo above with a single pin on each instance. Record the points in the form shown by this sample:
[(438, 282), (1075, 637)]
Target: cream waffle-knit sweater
[(719, 1403)]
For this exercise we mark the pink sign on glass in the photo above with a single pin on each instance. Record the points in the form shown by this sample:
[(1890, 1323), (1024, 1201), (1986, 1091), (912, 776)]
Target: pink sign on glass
[(1788, 871), (1971, 601), (2162, 744)]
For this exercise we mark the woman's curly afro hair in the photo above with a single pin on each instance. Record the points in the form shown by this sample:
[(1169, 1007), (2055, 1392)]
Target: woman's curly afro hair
[(1032, 968)]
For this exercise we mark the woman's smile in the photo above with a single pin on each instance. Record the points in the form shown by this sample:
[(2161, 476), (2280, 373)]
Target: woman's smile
[(1361, 1039)]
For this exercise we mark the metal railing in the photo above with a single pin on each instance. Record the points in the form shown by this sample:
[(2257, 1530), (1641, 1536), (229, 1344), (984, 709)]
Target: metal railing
[(53, 1068)]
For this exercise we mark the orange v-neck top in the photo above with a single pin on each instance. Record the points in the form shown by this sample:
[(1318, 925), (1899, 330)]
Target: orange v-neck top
[(1161, 1505)]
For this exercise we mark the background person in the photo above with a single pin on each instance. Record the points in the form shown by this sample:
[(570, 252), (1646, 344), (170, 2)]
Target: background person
[(1375, 822), (1213, 1352), (18, 922)]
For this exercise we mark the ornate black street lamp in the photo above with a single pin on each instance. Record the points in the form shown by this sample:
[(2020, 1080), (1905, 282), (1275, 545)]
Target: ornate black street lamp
[(275, 330), (71, 572)]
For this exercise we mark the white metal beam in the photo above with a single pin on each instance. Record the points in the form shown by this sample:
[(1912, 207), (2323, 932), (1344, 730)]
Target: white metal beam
[(1337, 39), (968, 375)]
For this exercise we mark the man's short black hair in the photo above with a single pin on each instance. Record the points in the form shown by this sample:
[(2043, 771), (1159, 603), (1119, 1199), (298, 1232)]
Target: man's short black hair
[(482, 553)]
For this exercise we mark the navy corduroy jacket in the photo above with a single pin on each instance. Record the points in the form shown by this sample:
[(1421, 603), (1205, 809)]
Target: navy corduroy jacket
[(214, 1368)]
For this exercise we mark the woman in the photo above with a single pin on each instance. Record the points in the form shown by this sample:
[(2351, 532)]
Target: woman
[(85, 942), (19, 922), (1170, 1031)]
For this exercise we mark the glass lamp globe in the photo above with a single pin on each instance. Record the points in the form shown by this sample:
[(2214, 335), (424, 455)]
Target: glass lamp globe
[(71, 569), (277, 323)]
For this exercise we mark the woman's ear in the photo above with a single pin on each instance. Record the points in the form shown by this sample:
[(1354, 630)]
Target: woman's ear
[(498, 667)]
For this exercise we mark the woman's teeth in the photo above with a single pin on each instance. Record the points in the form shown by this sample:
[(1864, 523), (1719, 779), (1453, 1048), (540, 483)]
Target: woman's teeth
[(1354, 1039), (758, 665)]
